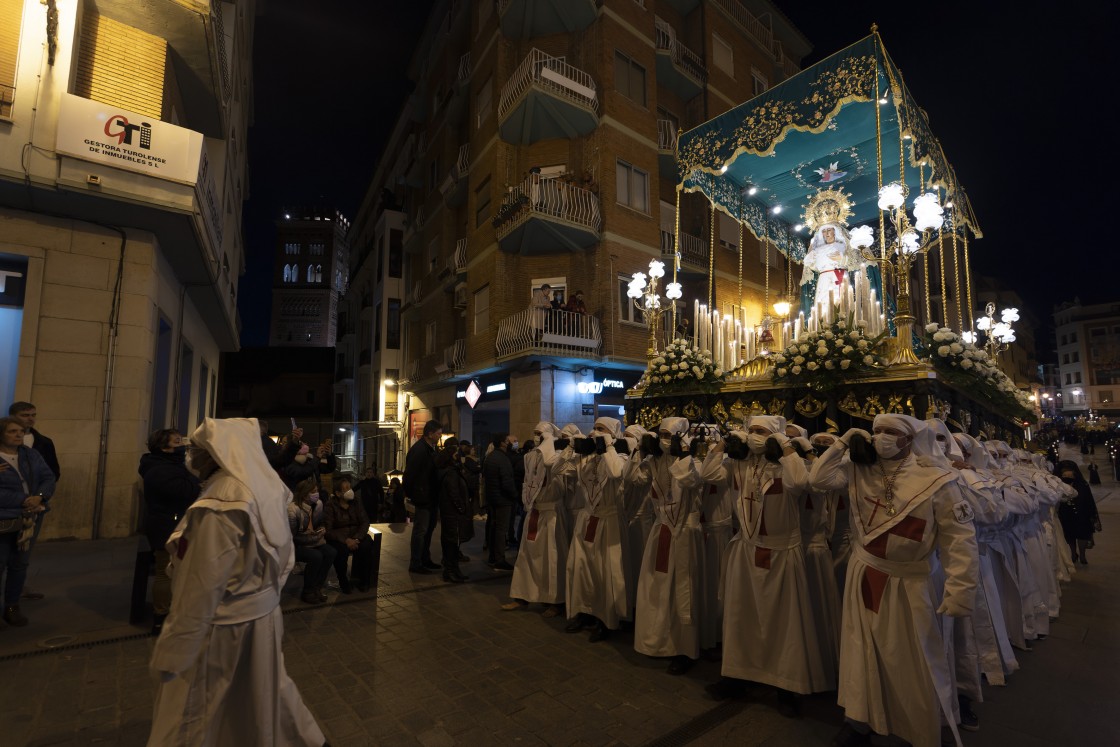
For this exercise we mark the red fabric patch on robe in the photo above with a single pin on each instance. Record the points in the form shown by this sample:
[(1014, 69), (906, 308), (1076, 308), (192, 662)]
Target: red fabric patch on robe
[(911, 528), (762, 557), (592, 525), (664, 540), (534, 515), (871, 587)]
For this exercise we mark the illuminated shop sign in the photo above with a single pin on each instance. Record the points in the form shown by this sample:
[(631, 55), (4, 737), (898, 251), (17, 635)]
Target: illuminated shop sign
[(596, 387)]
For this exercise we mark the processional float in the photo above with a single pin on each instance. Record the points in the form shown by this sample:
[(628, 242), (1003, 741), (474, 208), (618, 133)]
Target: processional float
[(838, 171)]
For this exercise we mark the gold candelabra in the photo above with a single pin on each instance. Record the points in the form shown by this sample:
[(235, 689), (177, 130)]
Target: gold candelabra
[(643, 293)]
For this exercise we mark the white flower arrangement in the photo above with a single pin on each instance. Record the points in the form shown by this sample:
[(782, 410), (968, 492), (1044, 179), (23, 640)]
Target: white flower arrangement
[(683, 365), (949, 352), (828, 357)]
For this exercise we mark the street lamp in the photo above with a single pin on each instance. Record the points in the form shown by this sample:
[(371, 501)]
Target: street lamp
[(646, 299), (911, 239)]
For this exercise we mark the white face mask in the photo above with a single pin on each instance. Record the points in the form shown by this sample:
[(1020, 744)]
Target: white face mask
[(756, 442), (666, 443), (313, 498), (348, 495), (886, 445)]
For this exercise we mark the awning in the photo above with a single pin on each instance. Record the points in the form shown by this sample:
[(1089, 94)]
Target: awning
[(813, 131)]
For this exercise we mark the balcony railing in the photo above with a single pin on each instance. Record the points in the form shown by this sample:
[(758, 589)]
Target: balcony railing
[(455, 355), (457, 262), (666, 135), (683, 58), (547, 197), (464, 74), (748, 22), (694, 250), (548, 332), (551, 73)]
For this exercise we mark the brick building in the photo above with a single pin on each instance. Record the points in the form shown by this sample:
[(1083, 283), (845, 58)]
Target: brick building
[(1088, 338), (538, 147), (122, 173)]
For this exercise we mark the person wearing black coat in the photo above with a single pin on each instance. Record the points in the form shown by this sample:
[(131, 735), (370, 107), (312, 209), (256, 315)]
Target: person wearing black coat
[(372, 493), (280, 456), (1094, 475), (501, 494), (1078, 515), (169, 490), (454, 504), (421, 486)]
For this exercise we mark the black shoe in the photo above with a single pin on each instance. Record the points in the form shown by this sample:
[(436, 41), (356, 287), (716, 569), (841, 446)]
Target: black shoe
[(345, 587), (600, 633), (574, 625), (726, 688), (157, 624), (501, 565), (322, 595), (362, 586), (14, 617), (454, 577), (680, 665), (463, 558), (969, 720), (311, 597), (32, 596), (849, 737), (420, 570), (789, 705)]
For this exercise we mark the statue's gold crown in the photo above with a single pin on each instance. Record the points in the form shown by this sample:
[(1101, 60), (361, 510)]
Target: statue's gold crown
[(827, 206)]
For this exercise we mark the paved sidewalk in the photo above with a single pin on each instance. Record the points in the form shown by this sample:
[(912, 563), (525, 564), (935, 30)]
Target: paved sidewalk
[(428, 663)]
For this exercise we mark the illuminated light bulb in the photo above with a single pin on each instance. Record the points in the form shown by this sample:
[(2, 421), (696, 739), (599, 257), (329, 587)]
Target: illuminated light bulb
[(656, 269), (776, 209), (892, 196), (862, 237), (673, 291), (723, 169), (752, 191), (910, 242), (798, 227), (928, 214), (781, 308), (969, 337), (1010, 315)]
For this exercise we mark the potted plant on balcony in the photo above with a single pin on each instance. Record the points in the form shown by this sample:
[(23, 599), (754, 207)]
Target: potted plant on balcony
[(829, 357), (683, 367)]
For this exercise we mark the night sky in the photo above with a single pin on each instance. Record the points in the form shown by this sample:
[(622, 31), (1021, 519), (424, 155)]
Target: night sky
[(1020, 96)]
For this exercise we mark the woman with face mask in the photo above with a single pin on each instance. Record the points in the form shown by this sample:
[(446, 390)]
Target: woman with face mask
[(595, 593), (769, 635), (1077, 514), (894, 675), (348, 533), (305, 517), (667, 610)]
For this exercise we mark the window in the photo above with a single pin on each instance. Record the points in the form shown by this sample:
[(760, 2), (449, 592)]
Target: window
[(484, 102), (482, 309), (1105, 396), (186, 375), (728, 232), (433, 173), (396, 252), (1072, 337), (1098, 331), (429, 338), (722, 55), (203, 381), (482, 202), (626, 311), (1076, 377), (632, 186), (1065, 359), (393, 325), (629, 78), (291, 248), (758, 80), (1069, 379), (377, 327), (316, 249), (311, 273), (1065, 340), (1077, 357), (12, 13)]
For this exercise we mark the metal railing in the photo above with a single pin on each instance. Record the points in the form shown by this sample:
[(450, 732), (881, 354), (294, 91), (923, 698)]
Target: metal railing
[(455, 355), (688, 61), (548, 332), (552, 197), (788, 66), (666, 135), (464, 68), (457, 262), (463, 162), (552, 73), (417, 294), (694, 250), (748, 22)]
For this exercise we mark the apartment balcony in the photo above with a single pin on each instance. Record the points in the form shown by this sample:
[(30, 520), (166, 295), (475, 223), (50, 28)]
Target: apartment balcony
[(456, 265), (547, 98), (365, 358), (694, 252), (679, 69), (454, 187), (559, 334), (667, 148), (414, 228), (454, 360), (528, 19), (460, 90), (547, 216)]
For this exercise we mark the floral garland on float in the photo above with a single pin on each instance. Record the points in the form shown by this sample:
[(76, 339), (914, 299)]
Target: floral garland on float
[(967, 366), (830, 356), (683, 367)]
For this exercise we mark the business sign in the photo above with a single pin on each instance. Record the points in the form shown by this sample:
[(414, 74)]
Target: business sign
[(473, 393), (106, 134), (597, 387), (483, 390)]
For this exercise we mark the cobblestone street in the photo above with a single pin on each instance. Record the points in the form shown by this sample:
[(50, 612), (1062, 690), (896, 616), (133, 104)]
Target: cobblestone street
[(436, 664)]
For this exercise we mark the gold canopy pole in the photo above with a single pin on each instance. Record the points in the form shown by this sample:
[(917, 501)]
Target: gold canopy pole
[(676, 260), (968, 284), (712, 253), (957, 263)]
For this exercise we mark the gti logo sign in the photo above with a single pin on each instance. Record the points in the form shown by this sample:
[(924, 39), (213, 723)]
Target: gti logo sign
[(595, 387), (118, 126)]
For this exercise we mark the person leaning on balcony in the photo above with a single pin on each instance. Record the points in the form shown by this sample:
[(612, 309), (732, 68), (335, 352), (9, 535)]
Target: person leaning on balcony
[(169, 490), (541, 304), (26, 485), (575, 304)]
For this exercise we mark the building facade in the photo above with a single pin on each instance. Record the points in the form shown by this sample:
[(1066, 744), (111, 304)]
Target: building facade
[(122, 174), (539, 148), (1088, 338), (311, 269)]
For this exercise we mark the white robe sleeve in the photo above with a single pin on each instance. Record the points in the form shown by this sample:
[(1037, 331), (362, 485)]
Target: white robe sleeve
[(956, 542), (714, 469), (830, 471), (208, 554), (795, 478), (981, 493), (684, 473)]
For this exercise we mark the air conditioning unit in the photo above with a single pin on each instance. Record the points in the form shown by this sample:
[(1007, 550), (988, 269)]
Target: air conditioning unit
[(461, 297)]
